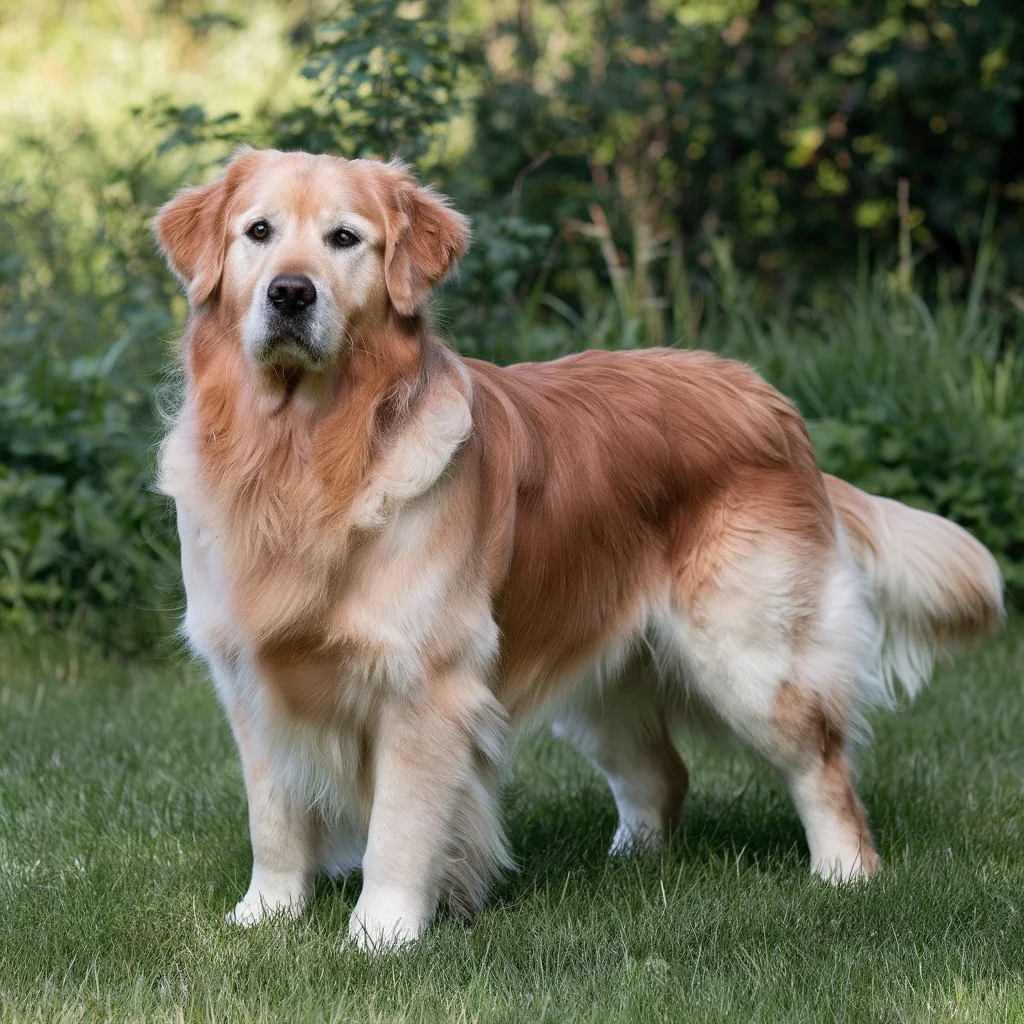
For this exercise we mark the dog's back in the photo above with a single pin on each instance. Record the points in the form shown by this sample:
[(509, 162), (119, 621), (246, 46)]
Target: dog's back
[(624, 476)]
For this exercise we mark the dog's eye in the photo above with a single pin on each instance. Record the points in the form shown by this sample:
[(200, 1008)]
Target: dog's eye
[(342, 239), (259, 232)]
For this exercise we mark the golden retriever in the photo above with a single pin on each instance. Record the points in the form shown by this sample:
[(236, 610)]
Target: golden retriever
[(394, 555)]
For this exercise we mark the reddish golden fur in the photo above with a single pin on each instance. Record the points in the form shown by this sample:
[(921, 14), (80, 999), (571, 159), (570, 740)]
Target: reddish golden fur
[(391, 551), (582, 499), (611, 472)]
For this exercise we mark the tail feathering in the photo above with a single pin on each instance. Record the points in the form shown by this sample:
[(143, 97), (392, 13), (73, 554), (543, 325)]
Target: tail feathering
[(935, 586)]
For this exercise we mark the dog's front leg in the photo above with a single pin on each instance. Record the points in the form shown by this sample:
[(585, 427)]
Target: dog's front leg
[(428, 781), (283, 851), (282, 833)]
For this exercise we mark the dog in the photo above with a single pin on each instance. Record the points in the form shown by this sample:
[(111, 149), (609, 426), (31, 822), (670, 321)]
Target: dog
[(394, 556)]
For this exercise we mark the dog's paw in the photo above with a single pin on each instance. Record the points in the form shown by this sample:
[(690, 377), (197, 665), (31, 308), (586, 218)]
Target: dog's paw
[(632, 842), (258, 906), (385, 924), (854, 868)]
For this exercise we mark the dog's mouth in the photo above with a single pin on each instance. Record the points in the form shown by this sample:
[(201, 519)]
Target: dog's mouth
[(291, 348)]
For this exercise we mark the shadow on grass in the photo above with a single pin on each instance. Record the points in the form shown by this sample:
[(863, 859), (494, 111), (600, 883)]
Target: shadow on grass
[(572, 832)]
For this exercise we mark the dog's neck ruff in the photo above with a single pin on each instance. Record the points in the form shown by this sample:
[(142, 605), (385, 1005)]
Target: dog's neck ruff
[(295, 482)]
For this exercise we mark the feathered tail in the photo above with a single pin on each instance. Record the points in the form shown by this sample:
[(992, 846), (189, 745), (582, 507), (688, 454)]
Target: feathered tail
[(935, 586)]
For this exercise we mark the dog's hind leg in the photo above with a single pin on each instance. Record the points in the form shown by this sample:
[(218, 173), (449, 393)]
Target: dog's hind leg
[(782, 666), (622, 729)]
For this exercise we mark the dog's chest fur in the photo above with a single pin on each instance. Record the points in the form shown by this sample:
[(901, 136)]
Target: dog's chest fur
[(321, 621)]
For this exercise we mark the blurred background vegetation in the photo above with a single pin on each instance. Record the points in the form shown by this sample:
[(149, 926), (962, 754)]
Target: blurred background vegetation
[(830, 189)]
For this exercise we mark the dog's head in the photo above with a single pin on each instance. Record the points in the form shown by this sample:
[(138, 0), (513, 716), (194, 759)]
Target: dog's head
[(302, 251)]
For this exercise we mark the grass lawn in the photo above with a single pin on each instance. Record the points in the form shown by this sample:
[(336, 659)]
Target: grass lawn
[(123, 842)]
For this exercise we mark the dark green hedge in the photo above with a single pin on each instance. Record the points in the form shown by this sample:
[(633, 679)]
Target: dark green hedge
[(645, 177), (788, 128)]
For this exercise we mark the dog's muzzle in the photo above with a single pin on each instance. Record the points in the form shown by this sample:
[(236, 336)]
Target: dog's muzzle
[(291, 321)]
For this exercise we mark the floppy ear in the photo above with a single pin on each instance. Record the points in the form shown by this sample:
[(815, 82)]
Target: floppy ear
[(190, 231), (425, 239)]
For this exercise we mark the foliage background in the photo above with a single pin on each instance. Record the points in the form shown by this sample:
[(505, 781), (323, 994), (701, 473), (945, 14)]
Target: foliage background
[(831, 189)]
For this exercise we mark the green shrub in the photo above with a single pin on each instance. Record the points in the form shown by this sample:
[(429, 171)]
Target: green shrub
[(84, 309), (618, 171), (84, 541), (787, 124)]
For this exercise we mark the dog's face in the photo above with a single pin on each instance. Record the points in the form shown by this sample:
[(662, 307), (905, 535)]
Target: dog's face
[(301, 251)]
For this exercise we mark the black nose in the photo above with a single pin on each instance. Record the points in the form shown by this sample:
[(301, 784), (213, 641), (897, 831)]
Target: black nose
[(291, 293)]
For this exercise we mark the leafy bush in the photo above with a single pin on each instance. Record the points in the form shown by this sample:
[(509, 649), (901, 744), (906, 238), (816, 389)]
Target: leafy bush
[(84, 304), (788, 124), (637, 173), (83, 539)]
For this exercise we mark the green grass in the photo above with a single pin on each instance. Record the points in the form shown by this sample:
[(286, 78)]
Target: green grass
[(123, 841)]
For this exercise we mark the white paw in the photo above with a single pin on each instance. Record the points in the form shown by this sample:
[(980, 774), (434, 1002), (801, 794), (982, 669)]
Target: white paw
[(847, 870), (261, 905), (630, 841), (384, 923)]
